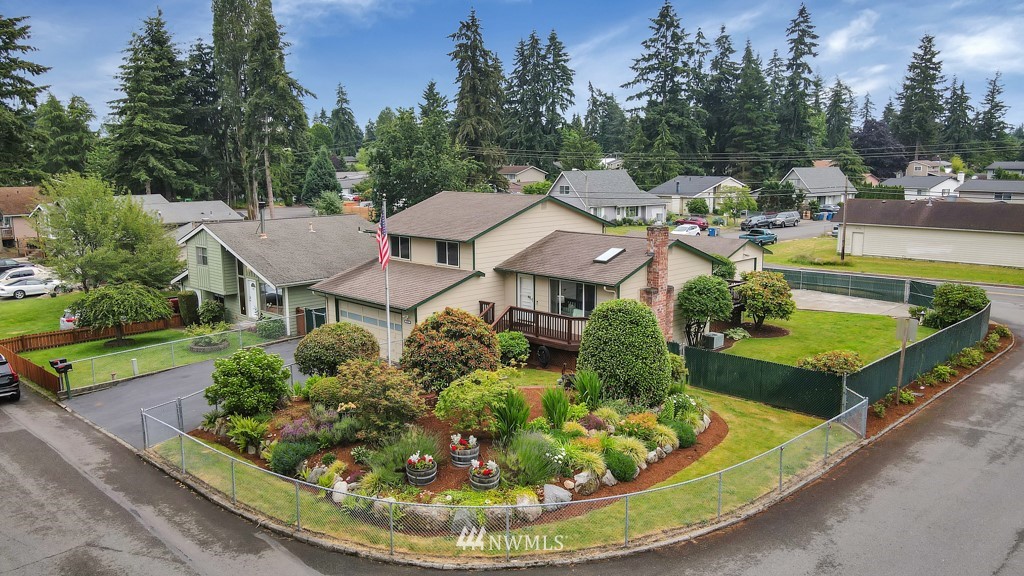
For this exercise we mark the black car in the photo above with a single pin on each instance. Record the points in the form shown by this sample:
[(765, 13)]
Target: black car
[(8, 263), (10, 383), (759, 221)]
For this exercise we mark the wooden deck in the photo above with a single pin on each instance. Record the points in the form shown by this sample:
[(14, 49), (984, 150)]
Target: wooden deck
[(542, 328)]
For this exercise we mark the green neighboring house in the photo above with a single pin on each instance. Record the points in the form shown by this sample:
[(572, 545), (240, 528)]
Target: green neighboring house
[(270, 273)]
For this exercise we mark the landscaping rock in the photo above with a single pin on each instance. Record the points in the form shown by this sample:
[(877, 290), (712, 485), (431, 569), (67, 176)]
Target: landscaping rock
[(431, 519), (707, 421), (609, 479), (382, 507), (340, 489), (586, 483), (667, 448), (569, 484), (463, 518), (700, 427), (643, 465), (660, 453), (652, 457), (555, 497), (315, 474), (527, 508)]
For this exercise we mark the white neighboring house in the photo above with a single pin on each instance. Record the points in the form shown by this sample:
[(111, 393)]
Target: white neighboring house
[(1011, 167), (1009, 191), (681, 189), (927, 186), (608, 194), (826, 185)]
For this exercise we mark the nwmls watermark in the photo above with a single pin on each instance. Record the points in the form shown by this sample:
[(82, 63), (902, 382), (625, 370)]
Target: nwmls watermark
[(477, 539)]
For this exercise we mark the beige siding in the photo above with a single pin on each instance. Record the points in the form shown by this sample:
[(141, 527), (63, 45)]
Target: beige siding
[(748, 259), (516, 235), (632, 286), (529, 175), (424, 251), (746, 266), (465, 296), (23, 228), (969, 247), (683, 265)]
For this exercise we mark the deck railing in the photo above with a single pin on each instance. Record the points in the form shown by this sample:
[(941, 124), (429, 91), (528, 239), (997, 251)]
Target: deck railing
[(542, 327)]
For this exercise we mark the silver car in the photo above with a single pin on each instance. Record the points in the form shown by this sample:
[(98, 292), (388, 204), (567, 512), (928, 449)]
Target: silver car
[(22, 287)]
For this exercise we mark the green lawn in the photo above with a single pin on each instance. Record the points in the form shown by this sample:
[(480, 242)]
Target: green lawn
[(805, 251), (753, 430), (811, 332), (535, 377), (153, 351), (34, 314), (623, 230)]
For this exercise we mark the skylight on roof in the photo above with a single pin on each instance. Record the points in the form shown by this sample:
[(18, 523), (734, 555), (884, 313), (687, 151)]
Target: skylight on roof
[(608, 254)]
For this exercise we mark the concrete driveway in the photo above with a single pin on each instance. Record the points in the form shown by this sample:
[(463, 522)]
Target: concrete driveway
[(811, 300)]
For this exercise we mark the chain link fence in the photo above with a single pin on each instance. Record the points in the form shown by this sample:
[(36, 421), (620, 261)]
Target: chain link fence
[(859, 285), (505, 533), (154, 358)]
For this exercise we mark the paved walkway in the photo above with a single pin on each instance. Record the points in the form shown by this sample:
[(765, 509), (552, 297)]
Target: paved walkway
[(811, 300), (117, 409)]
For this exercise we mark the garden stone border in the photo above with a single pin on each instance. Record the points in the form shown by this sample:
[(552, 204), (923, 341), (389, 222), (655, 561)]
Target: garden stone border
[(667, 538), (222, 345)]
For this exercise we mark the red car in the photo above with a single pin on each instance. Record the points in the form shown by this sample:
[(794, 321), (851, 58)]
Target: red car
[(697, 220)]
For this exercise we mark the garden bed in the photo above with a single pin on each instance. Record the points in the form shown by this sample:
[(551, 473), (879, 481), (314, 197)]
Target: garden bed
[(764, 331)]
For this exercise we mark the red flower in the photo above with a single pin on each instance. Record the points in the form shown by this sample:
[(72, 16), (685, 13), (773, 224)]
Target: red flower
[(486, 472), (463, 442)]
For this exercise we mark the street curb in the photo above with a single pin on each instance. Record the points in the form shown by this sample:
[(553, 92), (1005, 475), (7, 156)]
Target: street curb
[(673, 537)]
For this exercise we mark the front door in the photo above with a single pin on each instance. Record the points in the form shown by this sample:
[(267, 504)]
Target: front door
[(524, 290), (251, 298)]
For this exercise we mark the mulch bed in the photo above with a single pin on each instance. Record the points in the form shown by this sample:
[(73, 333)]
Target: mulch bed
[(765, 331), (896, 411)]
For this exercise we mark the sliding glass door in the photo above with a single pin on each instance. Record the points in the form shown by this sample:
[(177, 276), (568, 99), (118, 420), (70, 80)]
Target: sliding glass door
[(572, 298)]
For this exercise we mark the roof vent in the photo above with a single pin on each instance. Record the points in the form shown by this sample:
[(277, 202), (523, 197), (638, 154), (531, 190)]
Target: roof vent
[(608, 255)]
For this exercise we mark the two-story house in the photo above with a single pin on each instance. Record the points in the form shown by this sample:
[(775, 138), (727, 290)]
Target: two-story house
[(928, 168), (824, 184), (16, 205), (533, 264), (608, 194), (1009, 167), (269, 273)]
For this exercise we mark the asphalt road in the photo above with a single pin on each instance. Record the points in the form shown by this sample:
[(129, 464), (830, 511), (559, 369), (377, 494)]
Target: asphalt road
[(806, 229), (940, 495)]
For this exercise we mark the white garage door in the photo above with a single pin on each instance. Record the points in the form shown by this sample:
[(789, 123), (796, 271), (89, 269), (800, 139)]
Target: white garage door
[(373, 320)]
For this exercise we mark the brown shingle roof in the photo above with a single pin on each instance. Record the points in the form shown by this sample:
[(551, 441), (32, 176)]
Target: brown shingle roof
[(18, 200), (983, 216), (458, 216), (570, 256), (411, 284), (719, 245)]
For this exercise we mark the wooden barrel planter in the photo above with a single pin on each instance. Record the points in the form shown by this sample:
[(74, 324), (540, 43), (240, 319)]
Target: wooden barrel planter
[(478, 482), (423, 477), (462, 458)]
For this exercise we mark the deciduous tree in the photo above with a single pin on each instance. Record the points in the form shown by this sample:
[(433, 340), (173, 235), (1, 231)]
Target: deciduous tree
[(701, 300), (766, 295)]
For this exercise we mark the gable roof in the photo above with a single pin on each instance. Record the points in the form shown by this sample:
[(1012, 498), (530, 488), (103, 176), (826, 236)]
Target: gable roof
[(992, 186), (932, 163), (1005, 166), (411, 284), (292, 254), (688, 186), (823, 180), (517, 169), (981, 216), (719, 245), (464, 216), (605, 188), (570, 256), (19, 200), (177, 213), (916, 182)]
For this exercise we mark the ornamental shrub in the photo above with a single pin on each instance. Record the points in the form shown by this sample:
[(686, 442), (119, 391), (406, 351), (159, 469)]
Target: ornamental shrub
[(623, 467), (701, 300), (188, 307), (623, 343), (556, 406), (320, 351), (834, 361), (514, 347), (723, 268), (955, 302), (248, 382), (211, 312), (1002, 331), (447, 346), (286, 456), (326, 392), (468, 403), (269, 328), (677, 365), (386, 398), (944, 372), (530, 459), (968, 358), (766, 295), (684, 432)]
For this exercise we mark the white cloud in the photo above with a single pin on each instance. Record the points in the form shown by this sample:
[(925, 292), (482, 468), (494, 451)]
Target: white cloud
[(364, 10), (876, 79), (985, 44), (746, 20), (859, 34)]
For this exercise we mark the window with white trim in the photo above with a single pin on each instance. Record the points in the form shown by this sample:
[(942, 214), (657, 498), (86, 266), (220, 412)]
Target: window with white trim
[(564, 189), (632, 211), (401, 247), (447, 253), (201, 256), (1003, 196)]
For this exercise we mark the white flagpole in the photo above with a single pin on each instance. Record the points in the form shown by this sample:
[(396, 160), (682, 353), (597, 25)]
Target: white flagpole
[(387, 290)]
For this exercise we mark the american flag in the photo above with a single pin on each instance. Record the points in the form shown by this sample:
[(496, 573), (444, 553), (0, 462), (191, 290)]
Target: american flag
[(383, 243)]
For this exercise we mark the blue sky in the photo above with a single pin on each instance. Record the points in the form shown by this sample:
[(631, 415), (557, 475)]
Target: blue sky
[(385, 51)]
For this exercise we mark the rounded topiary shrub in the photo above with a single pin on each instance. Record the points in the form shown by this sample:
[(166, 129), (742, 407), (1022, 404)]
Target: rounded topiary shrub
[(386, 398), (623, 467), (834, 361), (955, 302), (249, 382), (447, 346), (320, 351), (515, 348), (623, 343), (327, 392)]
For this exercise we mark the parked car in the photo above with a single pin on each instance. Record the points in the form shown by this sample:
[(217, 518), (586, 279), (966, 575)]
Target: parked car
[(698, 220), (21, 287), (67, 320), (835, 230), (755, 221), (760, 236), (10, 383), (26, 271), (687, 230), (783, 219), (8, 263), (829, 208)]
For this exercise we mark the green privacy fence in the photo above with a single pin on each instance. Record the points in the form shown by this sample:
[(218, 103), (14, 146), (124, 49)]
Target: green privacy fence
[(876, 379), (789, 387), (859, 285)]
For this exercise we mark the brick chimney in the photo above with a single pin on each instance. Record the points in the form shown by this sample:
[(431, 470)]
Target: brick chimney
[(658, 294)]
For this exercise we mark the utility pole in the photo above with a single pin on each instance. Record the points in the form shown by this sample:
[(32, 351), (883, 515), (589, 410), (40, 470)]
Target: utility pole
[(842, 229)]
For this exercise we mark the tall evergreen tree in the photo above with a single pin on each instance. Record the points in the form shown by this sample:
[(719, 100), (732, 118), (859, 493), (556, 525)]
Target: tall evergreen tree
[(18, 95), (752, 125), (148, 135), (557, 82), (920, 98), (796, 130), (719, 97), (525, 130), (839, 115), (433, 103), (205, 124), (889, 113), (605, 121), (321, 117), (63, 134), (867, 110), (348, 137), (774, 73), (478, 105), (957, 130), (992, 124), (320, 178)]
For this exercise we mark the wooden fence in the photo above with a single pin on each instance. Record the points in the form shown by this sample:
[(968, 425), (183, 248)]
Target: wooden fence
[(65, 337), (31, 371)]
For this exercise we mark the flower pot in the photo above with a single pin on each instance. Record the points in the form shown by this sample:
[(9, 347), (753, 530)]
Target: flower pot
[(479, 482), (423, 477), (462, 458)]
